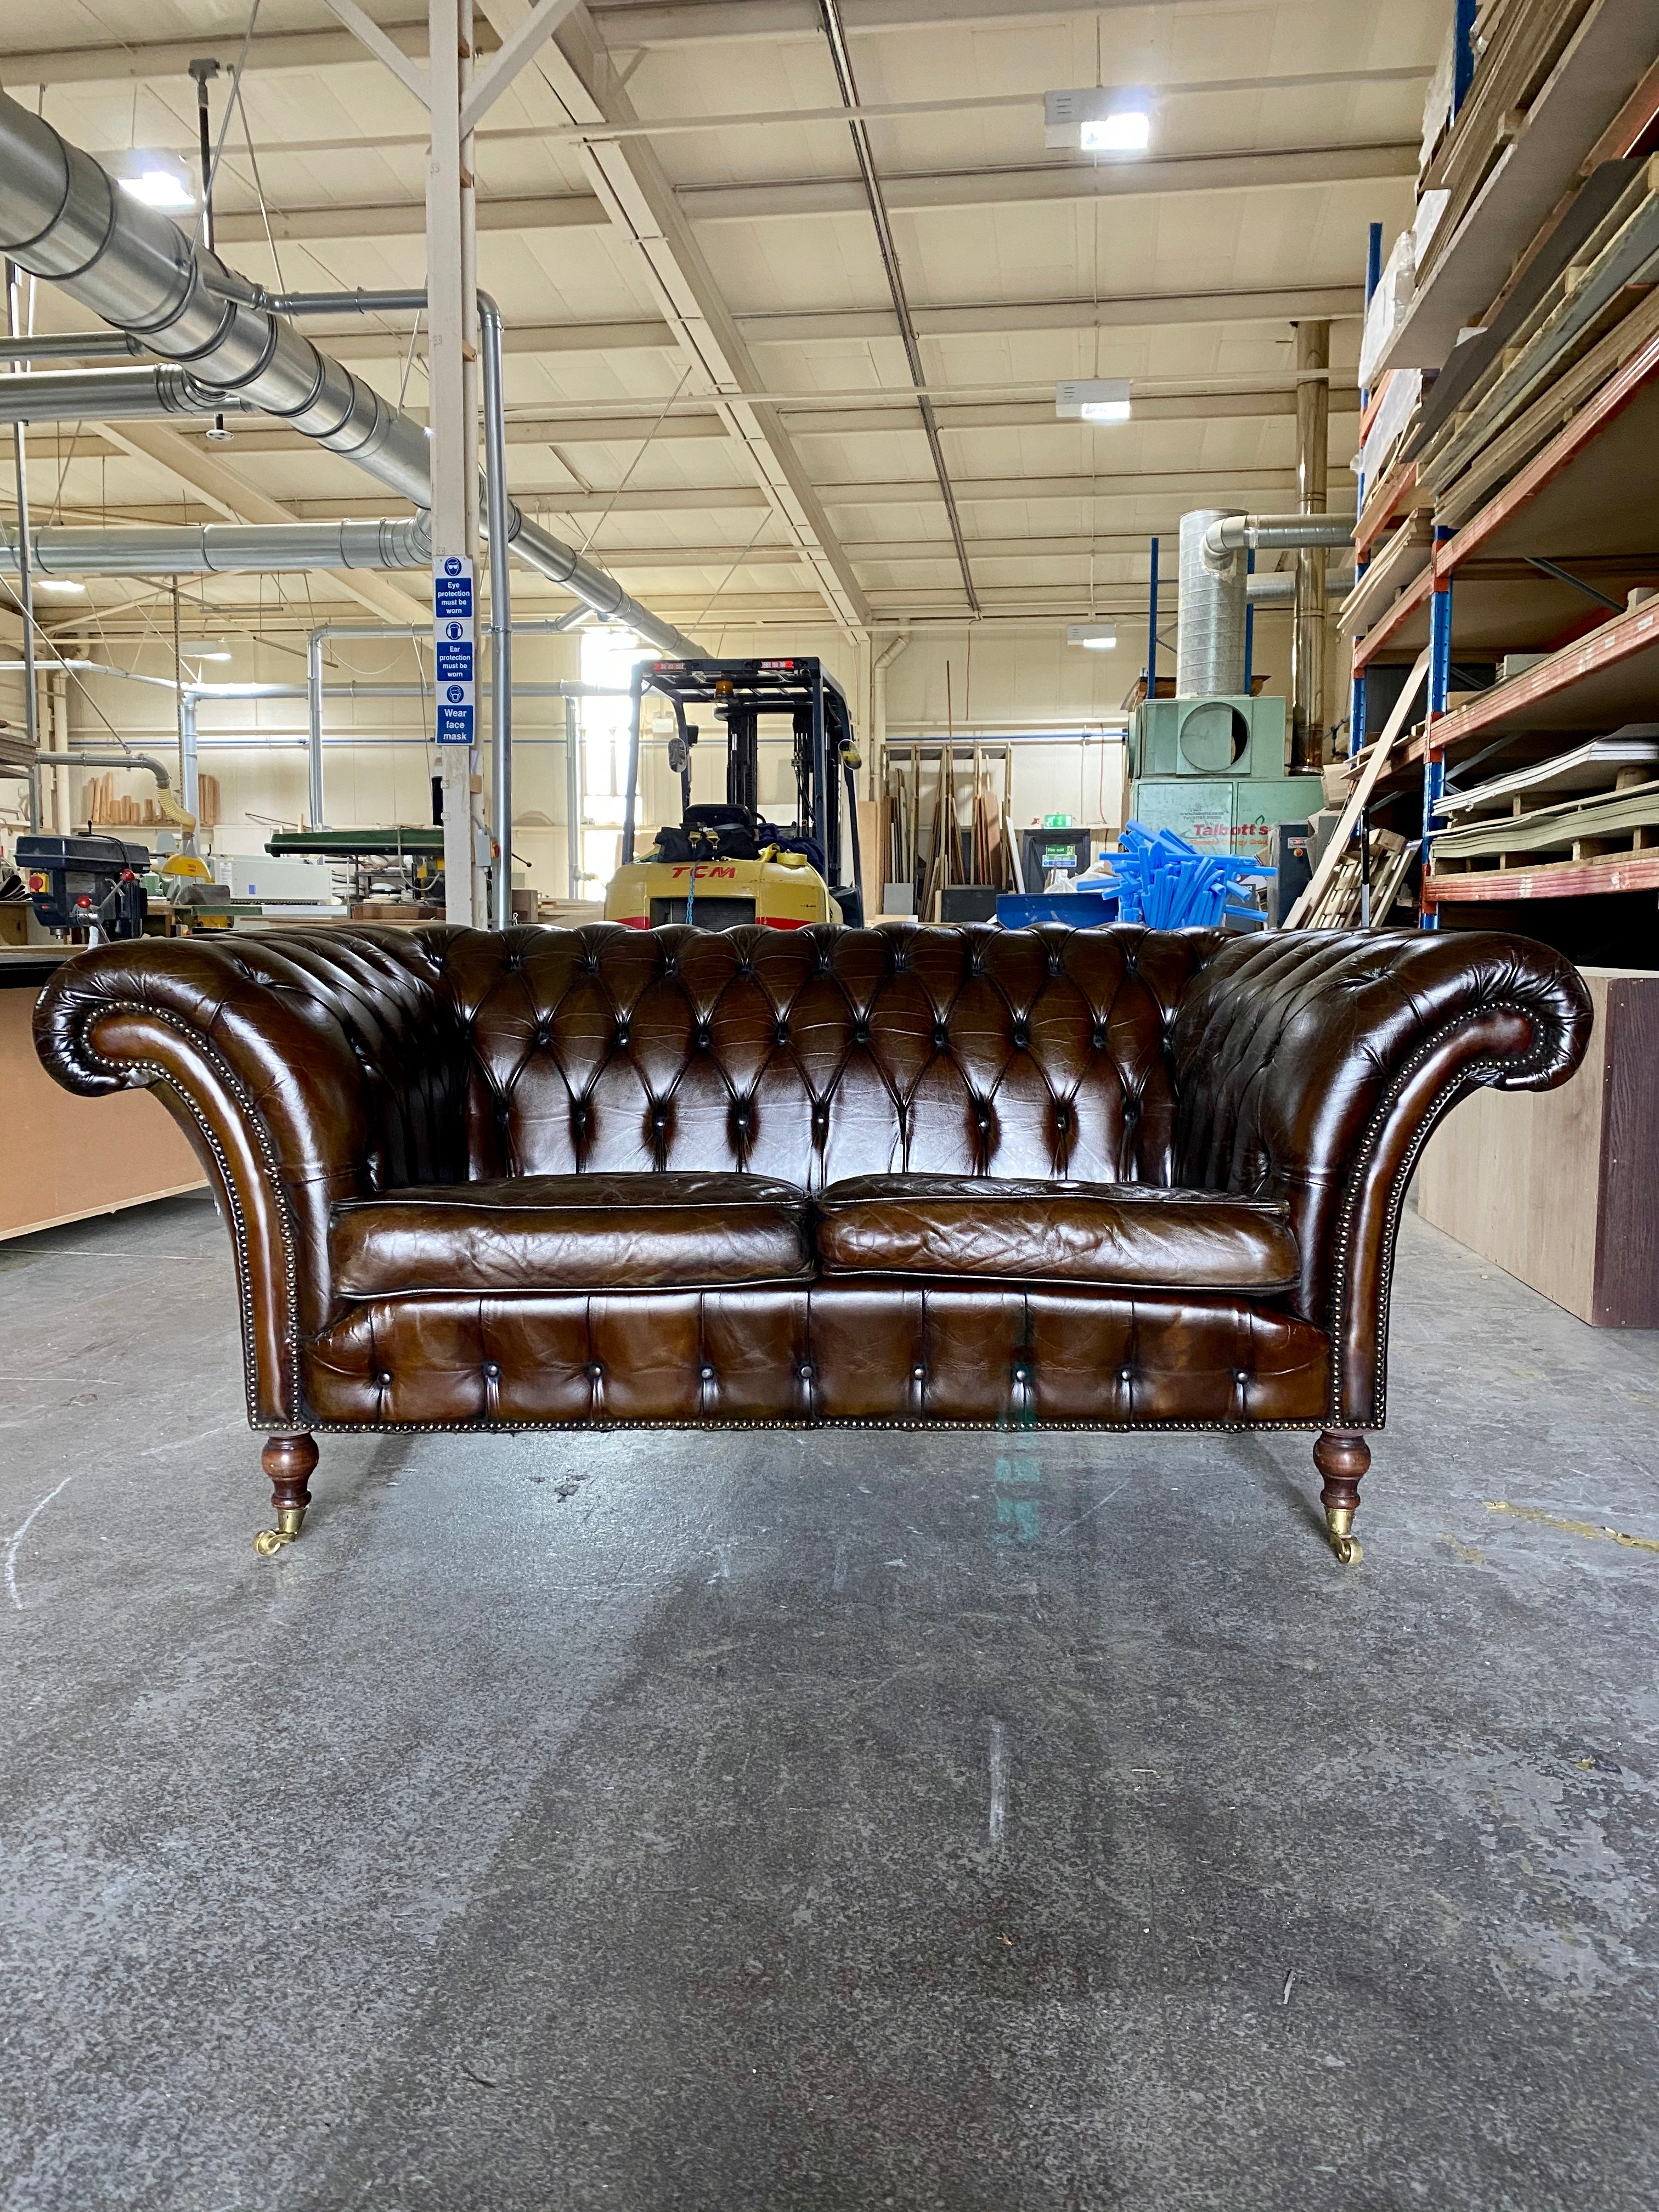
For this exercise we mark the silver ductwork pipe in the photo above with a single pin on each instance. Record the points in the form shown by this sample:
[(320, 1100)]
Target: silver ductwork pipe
[(1210, 624), (63, 218), (1228, 534), (219, 549), (107, 395), (1278, 589)]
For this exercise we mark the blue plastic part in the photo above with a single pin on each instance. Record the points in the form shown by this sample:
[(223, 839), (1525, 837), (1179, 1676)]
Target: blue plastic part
[(1079, 910), (1167, 883)]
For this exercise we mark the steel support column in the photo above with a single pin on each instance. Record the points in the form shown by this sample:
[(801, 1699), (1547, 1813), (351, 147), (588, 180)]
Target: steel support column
[(1313, 403), (1434, 763), (453, 355)]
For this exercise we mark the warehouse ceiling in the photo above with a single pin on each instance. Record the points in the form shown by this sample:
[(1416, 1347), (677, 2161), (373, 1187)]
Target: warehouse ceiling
[(710, 384)]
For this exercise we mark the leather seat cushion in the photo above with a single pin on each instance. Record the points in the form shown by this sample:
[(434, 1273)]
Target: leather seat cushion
[(583, 1232), (1120, 1236)]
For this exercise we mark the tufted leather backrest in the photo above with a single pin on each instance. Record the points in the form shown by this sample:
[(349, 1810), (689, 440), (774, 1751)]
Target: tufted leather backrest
[(817, 1055)]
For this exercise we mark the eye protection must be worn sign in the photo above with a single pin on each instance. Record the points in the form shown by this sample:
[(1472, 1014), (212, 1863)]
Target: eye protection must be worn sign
[(453, 649)]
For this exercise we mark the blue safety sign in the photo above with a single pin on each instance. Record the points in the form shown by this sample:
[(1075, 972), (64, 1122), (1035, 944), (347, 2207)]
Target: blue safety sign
[(453, 648)]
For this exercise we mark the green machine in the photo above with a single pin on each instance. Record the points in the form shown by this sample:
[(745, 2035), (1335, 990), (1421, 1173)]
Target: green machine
[(1214, 771)]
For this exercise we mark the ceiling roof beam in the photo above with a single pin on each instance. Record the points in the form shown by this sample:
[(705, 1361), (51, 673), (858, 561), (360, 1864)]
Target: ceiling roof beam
[(576, 69), (1146, 310), (1193, 485), (789, 200), (627, 24), (143, 60)]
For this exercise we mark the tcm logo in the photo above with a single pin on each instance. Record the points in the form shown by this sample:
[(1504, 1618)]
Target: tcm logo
[(707, 870)]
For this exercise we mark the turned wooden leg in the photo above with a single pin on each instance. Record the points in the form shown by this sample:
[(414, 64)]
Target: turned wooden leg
[(289, 1461), (1341, 1457)]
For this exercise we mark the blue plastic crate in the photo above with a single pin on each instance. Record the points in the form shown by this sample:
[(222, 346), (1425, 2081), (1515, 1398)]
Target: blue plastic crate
[(1076, 909)]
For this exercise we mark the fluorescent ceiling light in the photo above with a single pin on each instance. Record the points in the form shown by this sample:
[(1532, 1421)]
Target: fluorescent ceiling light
[(205, 648), (58, 587), (1128, 131), (159, 179), (1100, 119), (1098, 637), (1092, 399)]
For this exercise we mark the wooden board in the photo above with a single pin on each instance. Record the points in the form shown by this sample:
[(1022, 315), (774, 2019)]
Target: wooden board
[(1561, 1187), (62, 1158)]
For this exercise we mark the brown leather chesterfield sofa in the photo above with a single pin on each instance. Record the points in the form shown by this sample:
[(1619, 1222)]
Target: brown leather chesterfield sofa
[(909, 1178)]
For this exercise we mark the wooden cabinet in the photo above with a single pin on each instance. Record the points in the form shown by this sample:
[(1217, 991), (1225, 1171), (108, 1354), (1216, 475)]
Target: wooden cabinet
[(62, 1158), (1561, 1187)]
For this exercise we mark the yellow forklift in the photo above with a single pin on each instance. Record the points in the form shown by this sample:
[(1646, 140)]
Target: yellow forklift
[(724, 864)]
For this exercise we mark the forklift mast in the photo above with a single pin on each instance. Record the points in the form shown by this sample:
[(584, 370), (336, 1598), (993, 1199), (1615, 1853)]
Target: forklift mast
[(741, 693)]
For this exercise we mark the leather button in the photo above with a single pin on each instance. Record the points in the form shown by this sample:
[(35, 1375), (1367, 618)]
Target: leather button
[(594, 1371), (918, 1374), (1022, 1374), (1022, 1034), (491, 1370), (385, 1382), (1098, 1039), (1125, 1374), (703, 1036), (861, 1033), (941, 1038), (706, 1374), (805, 1374)]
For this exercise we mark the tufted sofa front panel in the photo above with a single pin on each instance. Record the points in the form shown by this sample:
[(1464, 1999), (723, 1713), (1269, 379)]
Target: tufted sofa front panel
[(815, 1055)]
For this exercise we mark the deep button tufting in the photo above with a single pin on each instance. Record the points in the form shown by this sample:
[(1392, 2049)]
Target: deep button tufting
[(860, 1032), (918, 1374), (384, 1380), (1131, 1109), (1057, 964), (1098, 1039), (1022, 1034), (1022, 1371), (941, 1037), (542, 1034), (780, 1034), (513, 964), (706, 1373), (805, 1374), (1125, 1374), (703, 1036), (594, 1370), (492, 1371)]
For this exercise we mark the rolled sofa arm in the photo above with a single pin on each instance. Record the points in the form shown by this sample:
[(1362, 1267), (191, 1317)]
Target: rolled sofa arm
[(304, 1069), (1312, 1066)]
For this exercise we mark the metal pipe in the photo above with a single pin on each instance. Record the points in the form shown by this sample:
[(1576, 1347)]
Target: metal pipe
[(190, 774), (63, 218), (110, 395), (1227, 534), (221, 549), (314, 703), (26, 581), (109, 757), (573, 798), (1210, 613), (1279, 589), (89, 345), (501, 610)]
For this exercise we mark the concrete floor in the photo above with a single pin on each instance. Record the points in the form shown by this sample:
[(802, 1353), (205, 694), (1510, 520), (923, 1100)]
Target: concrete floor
[(845, 1820)]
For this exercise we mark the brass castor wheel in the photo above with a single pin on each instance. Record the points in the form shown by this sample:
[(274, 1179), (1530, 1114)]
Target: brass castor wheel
[(1339, 1520), (289, 1521), (1342, 1457), (289, 1460)]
